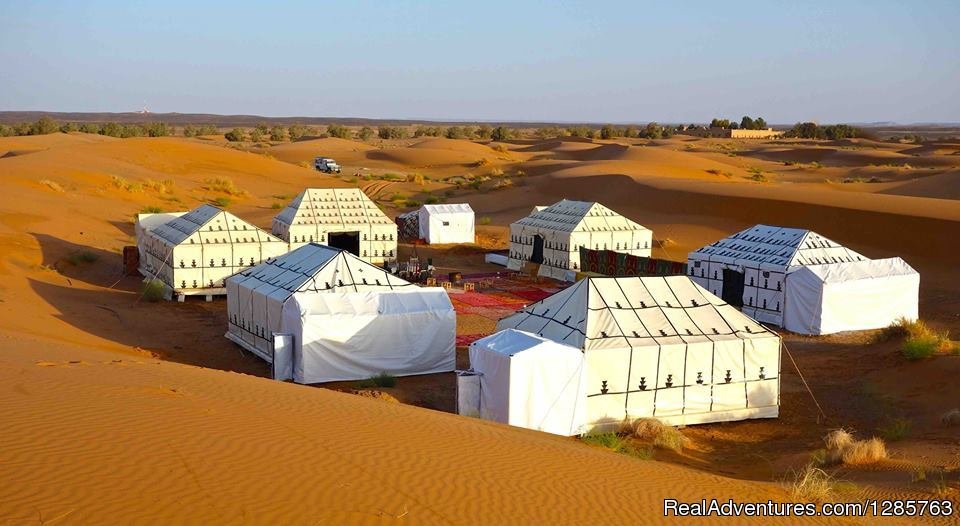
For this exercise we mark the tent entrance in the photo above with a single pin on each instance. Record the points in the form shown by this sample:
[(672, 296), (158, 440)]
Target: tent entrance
[(537, 255), (349, 241), (732, 287)]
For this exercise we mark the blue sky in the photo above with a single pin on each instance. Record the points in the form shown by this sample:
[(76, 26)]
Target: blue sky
[(836, 61)]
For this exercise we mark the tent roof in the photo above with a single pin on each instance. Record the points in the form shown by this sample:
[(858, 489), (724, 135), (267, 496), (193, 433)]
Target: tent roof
[(786, 247), (319, 268), (332, 207), (857, 270), (451, 208), (618, 312), (209, 224), (578, 216), (511, 341)]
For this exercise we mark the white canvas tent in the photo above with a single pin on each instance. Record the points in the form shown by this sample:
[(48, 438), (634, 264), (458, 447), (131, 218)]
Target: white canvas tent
[(825, 299), (660, 347), (193, 252), (528, 381), (552, 237), (751, 269), (342, 218), (447, 223), (345, 319)]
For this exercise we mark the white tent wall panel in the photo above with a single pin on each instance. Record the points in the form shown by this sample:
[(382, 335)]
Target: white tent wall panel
[(452, 223)]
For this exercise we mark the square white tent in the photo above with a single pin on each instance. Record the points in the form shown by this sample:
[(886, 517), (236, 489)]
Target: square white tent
[(447, 223), (342, 218), (527, 381), (193, 252), (320, 314), (824, 299), (553, 236), (753, 270), (660, 347)]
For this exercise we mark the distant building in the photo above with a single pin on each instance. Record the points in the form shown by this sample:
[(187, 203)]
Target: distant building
[(728, 133)]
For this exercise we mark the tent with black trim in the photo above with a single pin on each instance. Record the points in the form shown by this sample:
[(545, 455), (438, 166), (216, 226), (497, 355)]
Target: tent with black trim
[(320, 314), (805, 282), (194, 252), (342, 218), (659, 347), (552, 237)]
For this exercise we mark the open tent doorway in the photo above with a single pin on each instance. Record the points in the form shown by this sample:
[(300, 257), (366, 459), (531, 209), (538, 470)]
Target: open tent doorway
[(537, 255), (732, 287), (349, 241)]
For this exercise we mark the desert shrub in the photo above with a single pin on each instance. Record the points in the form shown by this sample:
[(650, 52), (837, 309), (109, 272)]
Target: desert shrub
[(365, 133), (123, 184), (224, 185), (381, 380), (951, 418), (153, 290), (351, 179), (717, 171), (456, 132), (895, 429), (500, 134), (416, 178), (256, 135), (278, 133), (412, 203), (485, 220), (158, 129), (432, 200), (234, 135), (503, 183), (920, 347), (6, 131), (44, 126), (759, 177), (82, 256), (68, 127), (484, 131), (476, 183), (397, 196), (920, 341), (617, 444), (53, 185), (221, 201), (161, 187), (296, 131), (842, 447), (151, 210), (339, 131), (392, 132), (662, 436), (811, 483), (481, 162), (276, 205)]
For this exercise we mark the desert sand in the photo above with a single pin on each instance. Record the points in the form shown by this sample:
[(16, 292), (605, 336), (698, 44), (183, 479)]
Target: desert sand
[(118, 410)]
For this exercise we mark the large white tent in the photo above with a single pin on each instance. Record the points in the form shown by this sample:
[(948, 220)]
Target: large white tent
[(754, 270), (553, 236), (193, 252), (660, 347), (528, 381), (341, 218), (341, 318), (447, 223)]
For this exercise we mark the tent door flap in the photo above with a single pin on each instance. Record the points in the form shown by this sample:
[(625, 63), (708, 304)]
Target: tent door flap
[(537, 255), (468, 393), (732, 287)]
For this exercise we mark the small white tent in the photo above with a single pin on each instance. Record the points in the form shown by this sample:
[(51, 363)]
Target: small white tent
[(660, 347), (553, 236), (529, 381), (751, 270), (193, 252), (824, 299), (348, 318), (447, 223), (342, 218)]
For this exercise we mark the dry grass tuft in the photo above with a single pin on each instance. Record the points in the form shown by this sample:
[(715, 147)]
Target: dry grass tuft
[(53, 185), (415, 178), (843, 448), (224, 185), (920, 341), (811, 483), (617, 444), (662, 436), (161, 187), (119, 182)]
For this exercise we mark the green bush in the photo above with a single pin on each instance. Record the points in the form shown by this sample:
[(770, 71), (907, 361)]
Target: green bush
[(278, 133), (339, 131), (381, 380), (296, 131), (234, 135), (484, 220), (500, 134), (617, 444), (153, 290), (82, 256), (920, 347), (392, 132), (222, 202), (151, 210), (895, 429), (432, 200), (365, 133)]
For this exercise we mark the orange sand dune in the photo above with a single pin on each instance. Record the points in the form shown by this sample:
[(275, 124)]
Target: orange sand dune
[(342, 150), (104, 438)]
